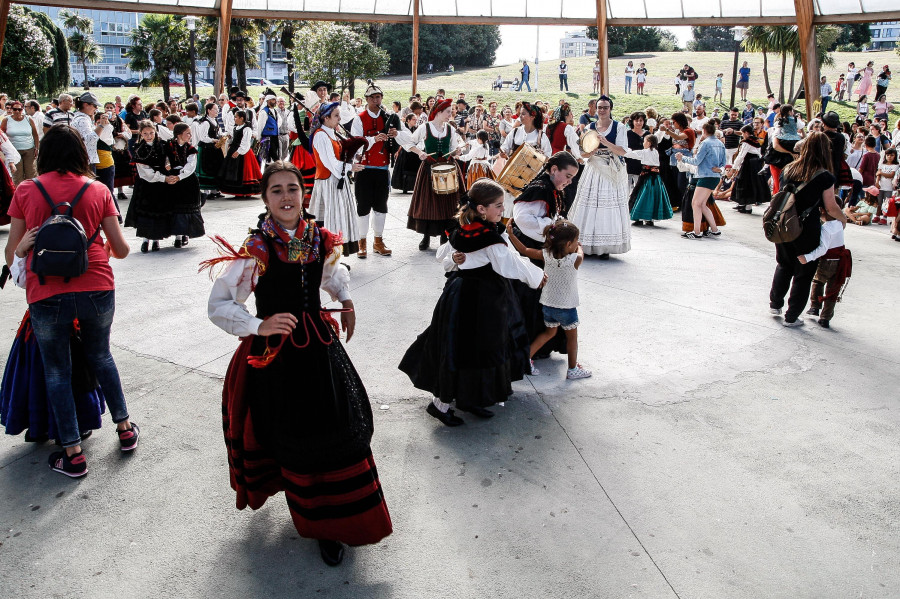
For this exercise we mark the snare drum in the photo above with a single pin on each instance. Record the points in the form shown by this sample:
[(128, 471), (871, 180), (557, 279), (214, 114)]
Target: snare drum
[(443, 179), (589, 141), (523, 166)]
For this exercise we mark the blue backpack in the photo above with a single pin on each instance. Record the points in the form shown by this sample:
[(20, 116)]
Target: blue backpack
[(61, 245)]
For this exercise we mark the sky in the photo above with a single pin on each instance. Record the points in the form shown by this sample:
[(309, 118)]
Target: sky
[(519, 41)]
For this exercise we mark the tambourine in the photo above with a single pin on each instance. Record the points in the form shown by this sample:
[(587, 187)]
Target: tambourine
[(589, 141)]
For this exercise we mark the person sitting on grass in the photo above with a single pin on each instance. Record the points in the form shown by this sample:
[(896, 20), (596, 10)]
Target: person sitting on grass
[(865, 211)]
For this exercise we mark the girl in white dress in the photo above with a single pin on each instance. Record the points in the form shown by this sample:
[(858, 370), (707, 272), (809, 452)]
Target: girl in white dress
[(600, 210)]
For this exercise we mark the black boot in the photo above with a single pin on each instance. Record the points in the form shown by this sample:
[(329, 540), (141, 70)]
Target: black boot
[(332, 552), (426, 241)]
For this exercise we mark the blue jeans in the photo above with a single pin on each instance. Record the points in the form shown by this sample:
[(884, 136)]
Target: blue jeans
[(825, 101), (563, 80), (524, 82), (627, 84), (52, 320)]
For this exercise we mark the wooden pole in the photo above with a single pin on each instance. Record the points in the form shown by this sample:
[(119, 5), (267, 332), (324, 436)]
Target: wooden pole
[(222, 45), (415, 47), (4, 15), (602, 47), (806, 30)]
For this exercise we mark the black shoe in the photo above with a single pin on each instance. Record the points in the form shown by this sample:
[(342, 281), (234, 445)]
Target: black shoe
[(145, 247), (184, 240), (813, 311), (824, 324), (332, 552), (649, 223), (603, 256), (426, 241), (178, 242), (122, 195), (480, 412), (154, 247), (637, 223), (74, 466), (38, 439), (448, 418)]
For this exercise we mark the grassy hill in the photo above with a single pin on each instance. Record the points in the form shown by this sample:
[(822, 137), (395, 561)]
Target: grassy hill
[(662, 69)]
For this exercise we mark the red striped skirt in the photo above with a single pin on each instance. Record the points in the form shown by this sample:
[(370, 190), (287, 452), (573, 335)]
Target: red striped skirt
[(345, 505)]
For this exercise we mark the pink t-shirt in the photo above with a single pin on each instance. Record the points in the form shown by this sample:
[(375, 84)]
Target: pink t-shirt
[(96, 204)]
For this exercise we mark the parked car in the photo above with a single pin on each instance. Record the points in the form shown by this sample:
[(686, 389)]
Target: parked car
[(278, 82), (204, 83), (110, 82), (258, 81), (133, 81)]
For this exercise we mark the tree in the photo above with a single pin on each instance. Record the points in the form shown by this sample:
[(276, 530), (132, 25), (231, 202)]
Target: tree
[(855, 36), (55, 78), (160, 44), (284, 32), (81, 40), (243, 46), (638, 39), (711, 39), (26, 54), (333, 53), (756, 39), (440, 45)]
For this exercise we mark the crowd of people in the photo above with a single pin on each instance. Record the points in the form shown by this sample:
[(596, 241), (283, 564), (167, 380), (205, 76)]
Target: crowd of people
[(520, 196)]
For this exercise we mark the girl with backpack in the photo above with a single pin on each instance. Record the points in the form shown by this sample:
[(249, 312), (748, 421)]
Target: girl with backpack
[(56, 301)]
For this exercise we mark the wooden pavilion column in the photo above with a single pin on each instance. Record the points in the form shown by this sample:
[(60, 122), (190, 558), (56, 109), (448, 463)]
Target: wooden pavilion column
[(222, 44), (603, 47), (806, 30), (415, 47), (4, 15)]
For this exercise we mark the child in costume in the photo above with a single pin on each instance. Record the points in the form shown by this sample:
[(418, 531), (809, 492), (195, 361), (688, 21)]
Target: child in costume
[(562, 255), (649, 199), (296, 414), (240, 174), (476, 344), (479, 160), (835, 266), (150, 209)]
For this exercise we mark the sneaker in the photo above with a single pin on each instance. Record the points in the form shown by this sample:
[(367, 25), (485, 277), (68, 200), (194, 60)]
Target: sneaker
[(813, 311), (128, 439), (577, 373), (691, 235), (74, 466), (795, 323), (775, 311), (534, 370), (708, 232)]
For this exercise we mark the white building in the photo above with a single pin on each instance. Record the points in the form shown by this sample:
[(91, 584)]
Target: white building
[(576, 43), (885, 35)]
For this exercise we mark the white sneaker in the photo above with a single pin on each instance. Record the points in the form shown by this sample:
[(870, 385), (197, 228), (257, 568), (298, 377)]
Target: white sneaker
[(796, 323), (577, 373), (775, 311), (534, 370)]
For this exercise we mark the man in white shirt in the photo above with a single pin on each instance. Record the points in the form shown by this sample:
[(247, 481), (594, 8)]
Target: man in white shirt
[(825, 91), (688, 96)]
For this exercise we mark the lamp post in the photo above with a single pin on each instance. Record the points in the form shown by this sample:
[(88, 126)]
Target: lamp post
[(738, 38), (192, 27)]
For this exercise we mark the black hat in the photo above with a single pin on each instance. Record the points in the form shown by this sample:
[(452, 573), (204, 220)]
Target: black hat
[(238, 94), (319, 84), (232, 91), (832, 119)]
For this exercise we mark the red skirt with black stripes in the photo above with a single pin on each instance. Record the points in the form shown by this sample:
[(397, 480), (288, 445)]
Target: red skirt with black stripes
[(343, 502)]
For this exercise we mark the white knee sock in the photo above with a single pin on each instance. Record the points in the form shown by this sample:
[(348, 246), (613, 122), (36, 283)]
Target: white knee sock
[(364, 226), (443, 407), (378, 223)]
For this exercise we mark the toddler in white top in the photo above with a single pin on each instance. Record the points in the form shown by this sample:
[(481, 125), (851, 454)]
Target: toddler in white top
[(562, 255)]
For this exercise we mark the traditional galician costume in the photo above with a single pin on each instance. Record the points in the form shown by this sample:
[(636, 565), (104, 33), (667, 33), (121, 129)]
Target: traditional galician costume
[(210, 157), (268, 126), (406, 167), (563, 136), (150, 209), (649, 198), (296, 414), (240, 176), (232, 108), (373, 183), (431, 213), (301, 154), (479, 159), (24, 405), (600, 210), (539, 205), (749, 187), (331, 202), (476, 344), (517, 137), (186, 219)]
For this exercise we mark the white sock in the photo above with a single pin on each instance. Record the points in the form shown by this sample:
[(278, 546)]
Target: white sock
[(364, 226), (378, 223), (146, 240), (443, 407)]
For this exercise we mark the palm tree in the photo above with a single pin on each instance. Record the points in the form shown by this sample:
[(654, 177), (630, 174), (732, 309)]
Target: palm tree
[(284, 32), (81, 41), (243, 46), (160, 45), (756, 39)]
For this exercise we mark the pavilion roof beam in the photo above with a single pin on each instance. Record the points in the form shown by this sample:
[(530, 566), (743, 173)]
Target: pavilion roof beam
[(224, 10)]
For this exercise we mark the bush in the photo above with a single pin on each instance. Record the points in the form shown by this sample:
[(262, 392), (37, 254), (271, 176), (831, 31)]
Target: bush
[(616, 50), (849, 48)]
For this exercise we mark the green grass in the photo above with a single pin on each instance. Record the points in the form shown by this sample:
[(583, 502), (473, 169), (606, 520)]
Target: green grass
[(662, 69)]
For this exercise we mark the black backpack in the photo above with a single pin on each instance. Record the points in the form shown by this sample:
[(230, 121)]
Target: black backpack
[(61, 245)]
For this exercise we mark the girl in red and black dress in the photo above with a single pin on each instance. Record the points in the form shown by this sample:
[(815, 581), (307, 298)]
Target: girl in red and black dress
[(240, 174), (296, 414)]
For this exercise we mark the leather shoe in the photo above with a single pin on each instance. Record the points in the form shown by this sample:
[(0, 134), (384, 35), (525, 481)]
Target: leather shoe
[(603, 256), (145, 247), (480, 412), (426, 241), (448, 418), (332, 552)]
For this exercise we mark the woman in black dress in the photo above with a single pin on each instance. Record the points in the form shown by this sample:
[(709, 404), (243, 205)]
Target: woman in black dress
[(150, 209), (184, 187), (296, 414)]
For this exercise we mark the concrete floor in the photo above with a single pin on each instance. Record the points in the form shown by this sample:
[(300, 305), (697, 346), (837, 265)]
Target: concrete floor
[(714, 454)]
